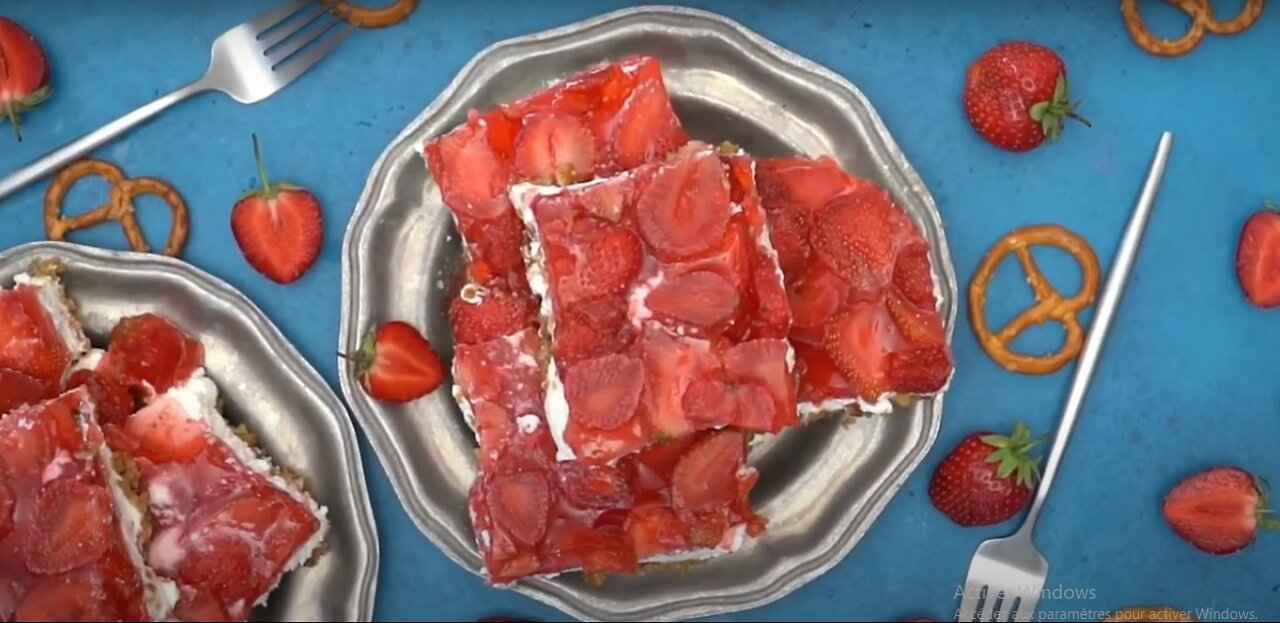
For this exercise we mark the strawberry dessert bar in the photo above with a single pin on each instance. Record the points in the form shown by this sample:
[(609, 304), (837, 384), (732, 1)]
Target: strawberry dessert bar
[(597, 122), (226, 524), (39, 338), (867, 329), (70, 532), (533, 515), (664, 302)]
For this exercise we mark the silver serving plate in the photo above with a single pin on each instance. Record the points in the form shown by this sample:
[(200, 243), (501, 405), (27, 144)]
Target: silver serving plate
[(821, 486), (266, 385)]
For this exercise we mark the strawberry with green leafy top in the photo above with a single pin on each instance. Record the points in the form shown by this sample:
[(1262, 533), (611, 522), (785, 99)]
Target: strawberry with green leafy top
[(397, 364), (24, 73), (278, 227), (1016, 96), (987, 478)]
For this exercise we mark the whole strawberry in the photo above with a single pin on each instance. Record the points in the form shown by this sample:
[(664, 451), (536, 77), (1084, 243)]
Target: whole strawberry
[(1016, 96), (278, 227), (1219, 510), (24, 73), (1258, 257), (987, 478), (397, 364)]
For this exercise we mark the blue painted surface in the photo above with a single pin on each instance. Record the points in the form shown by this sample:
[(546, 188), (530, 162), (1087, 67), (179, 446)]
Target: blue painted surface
[(1187, 380)]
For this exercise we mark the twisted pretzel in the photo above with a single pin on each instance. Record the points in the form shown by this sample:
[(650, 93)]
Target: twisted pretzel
[(119, 205), (1202, 20), (389, 15), (1050, 304)]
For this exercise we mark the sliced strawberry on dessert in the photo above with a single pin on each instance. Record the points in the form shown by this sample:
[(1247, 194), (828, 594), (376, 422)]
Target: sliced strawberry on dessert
[(66, 597), (646, 127), (555, 148), (603, 392), (656, 530), (24, 74), (609, 259), (815, 297), (151, 353), (701, 298), (773, 307), (858, 340), (804, 185), (760, 366), (497, 242), (857, 238), (494, 313), (18, 389), (1258, 257), (789, 233), (670, 365), (592, 328), (920, 370), (475, 180), (599, 487), (913, 275), (397, 364), (519, 504), (114, 401), (72, 527), (1219, 510), (164, 433), (986, 478), (685, 208), (6, 508), (706, 478), (279, 228), (716, 400), (29, 342)]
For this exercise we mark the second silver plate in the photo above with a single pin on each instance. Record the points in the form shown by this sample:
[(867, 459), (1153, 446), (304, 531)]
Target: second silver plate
[(822, 486)]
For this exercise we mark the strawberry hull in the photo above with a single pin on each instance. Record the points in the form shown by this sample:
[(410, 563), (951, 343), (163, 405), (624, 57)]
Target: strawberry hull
[(664, 303), (864, 294)]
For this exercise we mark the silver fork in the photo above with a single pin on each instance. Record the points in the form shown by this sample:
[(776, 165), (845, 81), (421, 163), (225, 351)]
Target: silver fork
[(249, 63), (1006, 575)]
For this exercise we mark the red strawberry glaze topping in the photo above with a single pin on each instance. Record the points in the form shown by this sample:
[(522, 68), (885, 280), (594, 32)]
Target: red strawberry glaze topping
[(29, 339), (658, 282), (63, 550), (860, 284), (602, 120)]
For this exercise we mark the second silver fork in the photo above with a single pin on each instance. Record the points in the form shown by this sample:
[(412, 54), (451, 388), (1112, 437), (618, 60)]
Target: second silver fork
[(249, 63)]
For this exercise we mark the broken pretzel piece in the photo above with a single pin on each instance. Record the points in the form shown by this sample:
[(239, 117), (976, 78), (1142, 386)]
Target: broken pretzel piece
[(1050, 304), (1203, 21), (119, 205), (389, 15)]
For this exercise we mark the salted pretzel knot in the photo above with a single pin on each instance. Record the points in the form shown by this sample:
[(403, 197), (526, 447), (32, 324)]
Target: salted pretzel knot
[(389, 15), (1050, 304), (1202, 20), (119, 205)]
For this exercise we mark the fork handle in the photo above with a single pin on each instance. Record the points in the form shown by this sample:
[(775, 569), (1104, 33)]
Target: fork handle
[(64, 155), (1116, 281)]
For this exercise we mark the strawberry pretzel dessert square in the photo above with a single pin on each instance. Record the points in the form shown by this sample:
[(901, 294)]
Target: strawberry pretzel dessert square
[(867, 325), (664, 303), (70, 528), (226, 524)]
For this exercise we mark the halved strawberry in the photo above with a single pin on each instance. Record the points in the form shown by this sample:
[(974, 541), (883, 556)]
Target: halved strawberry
[(17, 389), (857, 237), (72, 526), (1258, 257), (913, 275), (497, 313), (706, 478), (647, 126), (165, 433), (519, 504), (112, 399), (702, 299), (150, 352), (685, 208), (1219, 510), (609, 259), (472, 177), (656, 530), (603, 392), (587, 486), (858, 340), (279, 228), (396, 363), (24, 73), (555, 148)]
